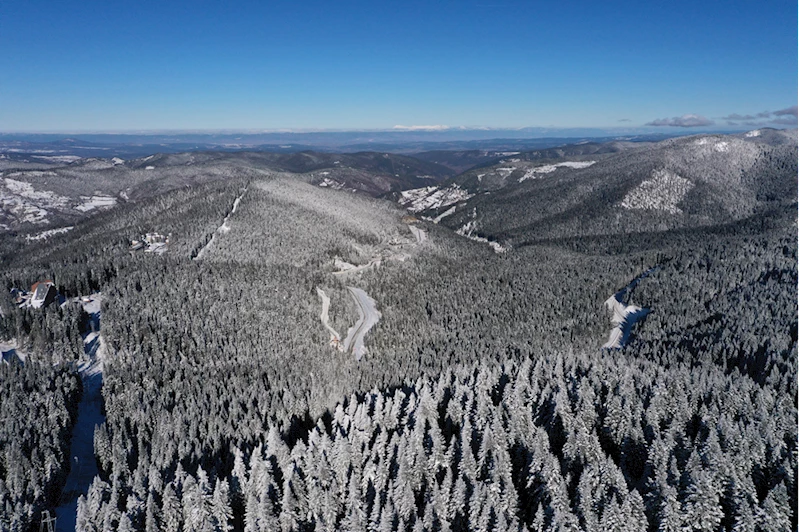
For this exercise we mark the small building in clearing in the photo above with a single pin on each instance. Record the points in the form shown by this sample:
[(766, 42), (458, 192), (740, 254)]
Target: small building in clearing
[(44, 293)]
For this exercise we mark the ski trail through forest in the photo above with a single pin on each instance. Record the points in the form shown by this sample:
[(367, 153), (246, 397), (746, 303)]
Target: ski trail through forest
[(369, 316), (83, 466), (222, 229), (624, 316)]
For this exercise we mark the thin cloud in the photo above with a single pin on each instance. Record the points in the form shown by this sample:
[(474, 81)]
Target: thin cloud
[(780, 117), (792, 111), (682, 121), (736, 116), (624, 120)]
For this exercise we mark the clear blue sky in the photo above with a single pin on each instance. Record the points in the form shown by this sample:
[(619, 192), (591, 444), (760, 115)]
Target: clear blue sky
[(114, 65)]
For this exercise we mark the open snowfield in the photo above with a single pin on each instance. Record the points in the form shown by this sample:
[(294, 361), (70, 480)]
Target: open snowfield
[(662, 192), (539, 171), (95, 202), (422, 199)]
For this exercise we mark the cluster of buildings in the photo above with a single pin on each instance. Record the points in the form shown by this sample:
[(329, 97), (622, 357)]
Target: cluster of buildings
[(151, 243)]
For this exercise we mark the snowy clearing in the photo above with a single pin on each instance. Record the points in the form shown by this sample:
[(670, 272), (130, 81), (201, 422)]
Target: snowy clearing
[(422, 199), (662, 192), (95, 202), (505, 171), (753, 133), (331, 183), (9, 351), (549, 168), (44, 235), (369, 316)]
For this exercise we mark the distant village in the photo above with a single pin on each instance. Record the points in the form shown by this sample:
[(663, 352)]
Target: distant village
[(151, 243)]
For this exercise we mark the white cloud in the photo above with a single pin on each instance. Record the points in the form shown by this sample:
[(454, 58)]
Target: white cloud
[(689, 120)]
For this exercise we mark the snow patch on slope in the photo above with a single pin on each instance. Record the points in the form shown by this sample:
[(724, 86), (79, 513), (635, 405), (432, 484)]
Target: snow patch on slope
[(24, 204), (422, 199), (331, 183), (549, 168), (444, 214), (95, 202), (44, 235), (662, 192), (468, 231)]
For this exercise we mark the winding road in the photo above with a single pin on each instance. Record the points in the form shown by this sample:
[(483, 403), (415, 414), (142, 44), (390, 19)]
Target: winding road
[(369, 316)]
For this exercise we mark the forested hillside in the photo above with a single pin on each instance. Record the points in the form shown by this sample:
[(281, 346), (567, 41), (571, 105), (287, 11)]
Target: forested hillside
[(483, 400), (675, 184)]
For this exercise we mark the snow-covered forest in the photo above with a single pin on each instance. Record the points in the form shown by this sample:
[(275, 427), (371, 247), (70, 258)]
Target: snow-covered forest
[(484, 400)]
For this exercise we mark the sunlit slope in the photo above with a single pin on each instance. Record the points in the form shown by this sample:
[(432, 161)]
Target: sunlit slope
[(680, 183)]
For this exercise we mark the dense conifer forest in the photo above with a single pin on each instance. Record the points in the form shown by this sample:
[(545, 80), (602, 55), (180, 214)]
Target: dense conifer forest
[(484, 400)]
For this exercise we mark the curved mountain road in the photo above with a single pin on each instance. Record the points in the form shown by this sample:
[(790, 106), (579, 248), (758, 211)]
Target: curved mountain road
[(369, 316)]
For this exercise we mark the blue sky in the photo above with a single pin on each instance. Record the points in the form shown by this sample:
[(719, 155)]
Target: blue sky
[(109, 65)]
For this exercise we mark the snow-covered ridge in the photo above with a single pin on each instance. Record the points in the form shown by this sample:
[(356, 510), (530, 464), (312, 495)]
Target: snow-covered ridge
[(662, 192), (549, 168), (753, 133), (422, 199)]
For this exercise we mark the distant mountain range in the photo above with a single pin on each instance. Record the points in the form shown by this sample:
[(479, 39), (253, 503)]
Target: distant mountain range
[(44, 146)]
